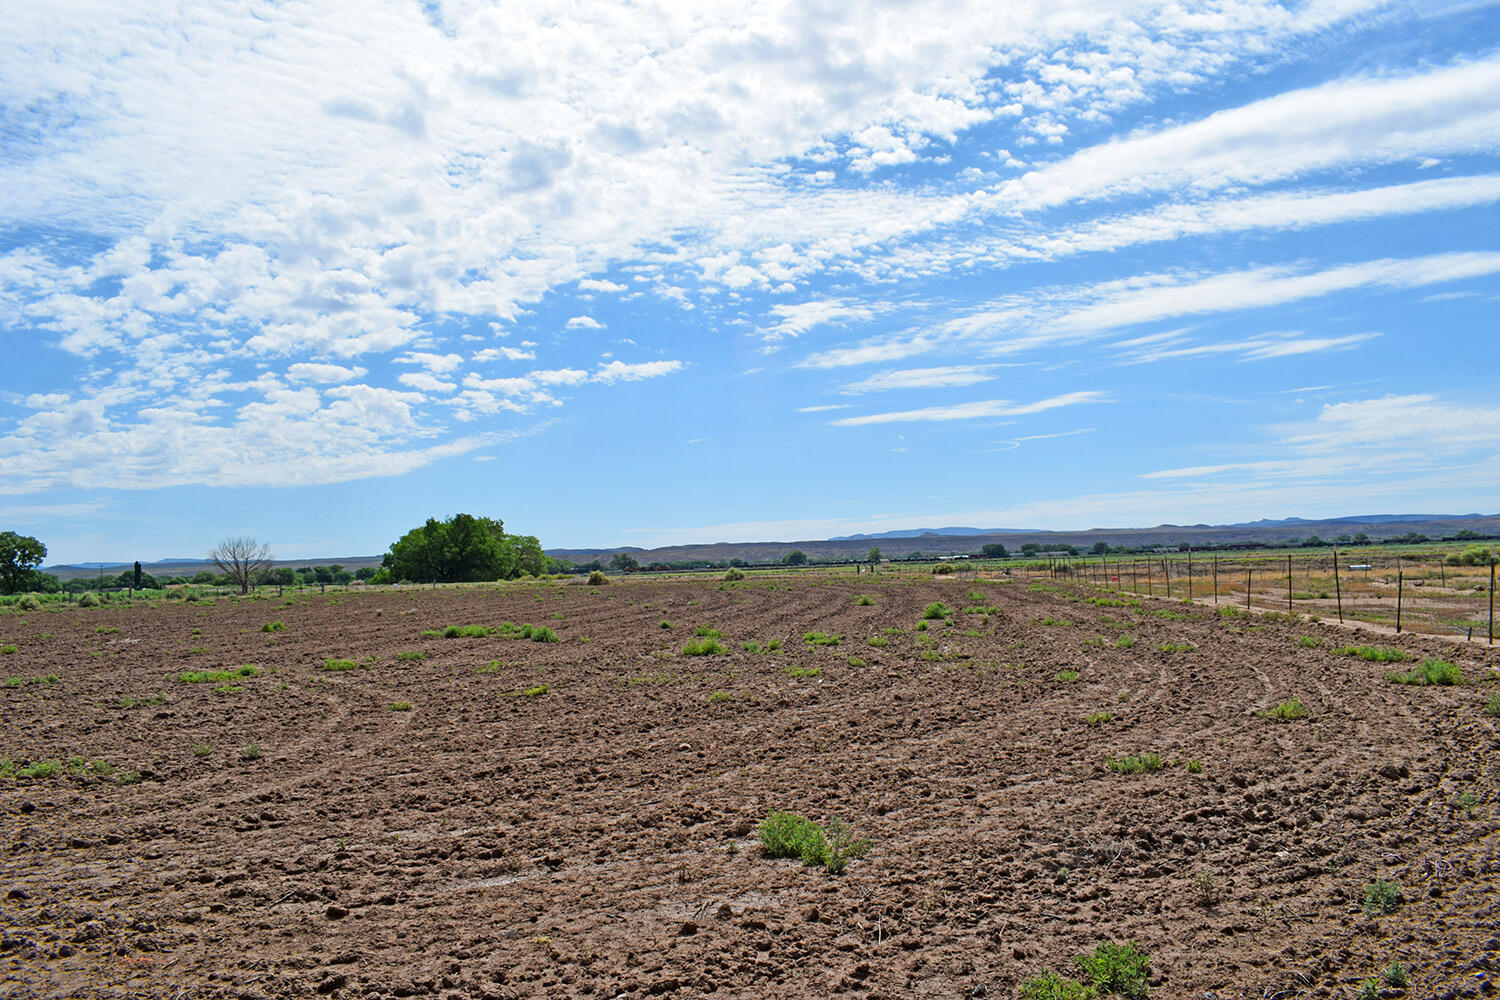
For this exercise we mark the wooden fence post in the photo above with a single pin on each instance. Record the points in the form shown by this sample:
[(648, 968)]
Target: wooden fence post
[(1216, 579), (1288, 583), (1337, 592), (1248, 570), (1492, 601), (1166, 575), (1400, 576), (1190, 572)]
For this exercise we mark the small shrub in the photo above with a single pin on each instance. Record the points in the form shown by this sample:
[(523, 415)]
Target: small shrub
[(1125, 642), (704, 647), (1194, 767), (1368, 989), (1430, 671), (734, 575), (1287, 711), (665, 624), (541, 633), (9, 649), (1067, 675), (41, 769), (1467, 801), (273, 627), (216, 676), (1375, 654), (1395, 975), (1492, 705), (88, 600), (864, 600), (943, 569), (251, 752), (1132, 764), (821, 639), (467, 632), (1119, 969), (597, 579), (787, 835), (400, 706), (750, 646), (29, 602), (936, 611), (1382, 896), (1307, 642)]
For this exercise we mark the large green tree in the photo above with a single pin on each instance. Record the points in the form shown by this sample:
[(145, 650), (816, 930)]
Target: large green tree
[(20, 555), (463, 548)]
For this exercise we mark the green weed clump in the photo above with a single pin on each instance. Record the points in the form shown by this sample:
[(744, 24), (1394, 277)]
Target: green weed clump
[(1430, 671), (400, 706), (864, 600), (216, 676), (7, 650), (708, 633), (1131, 764), (801, 672), (704, 647), (1287, 711), (1112, 969), (878, 641), (334, 664), (1067, 675), (787, 835), (467, 632), (822, 639), (251, 752), (935, 611), (1176, 647), (1125, 642), (273, 627), (1098, 718), (1382, 896), (597, 579), (411, 654), (1307, 642), (1492, 705), (1375, 654), (1049, 620), (734, 575), (944, 569)]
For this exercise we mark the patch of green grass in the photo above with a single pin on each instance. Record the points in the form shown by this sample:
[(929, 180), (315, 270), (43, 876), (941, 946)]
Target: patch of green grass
[(720, 696), (431, 633), (1051, 986), (41, 769), (936, 611), (981, 609), (333, 664), (787, 835), (1381, 896), (1049, 620), (1375, 654), (102, 768), (400, 706), (467, 632), (1430, 671), (1492, 705), (665, 624), (864, 600), (1368, 989), (105, 630), (1308, 642), (1098, 718), (1287, 711), (492, 667), (541, 633), (9, 649), (1125, 642), (704, 647), (1117, 969), (1195, 767), (708, 633), (216, 676), (537, 691), (251, 752), (127, 701), (201, 750), (1395, 975), (821, 639), (1066, 675), (800, 672), (273, 627), (855, 661), (878, 641), (1110, 602), (1467, 801), (197, 650), (128, 778), (1132, 764), (411, 654), (1176, 647)]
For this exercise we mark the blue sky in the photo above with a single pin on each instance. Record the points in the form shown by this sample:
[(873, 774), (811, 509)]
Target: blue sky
[(656, 273)]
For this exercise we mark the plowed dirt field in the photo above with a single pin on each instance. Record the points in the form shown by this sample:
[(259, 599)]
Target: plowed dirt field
[(578, 818)]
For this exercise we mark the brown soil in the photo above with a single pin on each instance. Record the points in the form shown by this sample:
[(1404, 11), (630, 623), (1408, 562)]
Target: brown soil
[(598, 839)]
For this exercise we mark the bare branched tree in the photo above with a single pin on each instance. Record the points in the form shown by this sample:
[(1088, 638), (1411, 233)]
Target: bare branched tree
[(243, 560)]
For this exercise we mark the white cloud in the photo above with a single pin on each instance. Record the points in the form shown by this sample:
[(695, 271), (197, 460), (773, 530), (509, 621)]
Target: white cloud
[(920, 378), (425, 382), (599, 285), (584, 323), (975, 410), (304, 371)]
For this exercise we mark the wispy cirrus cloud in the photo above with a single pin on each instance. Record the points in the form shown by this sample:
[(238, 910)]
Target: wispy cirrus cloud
[(988, 408)]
